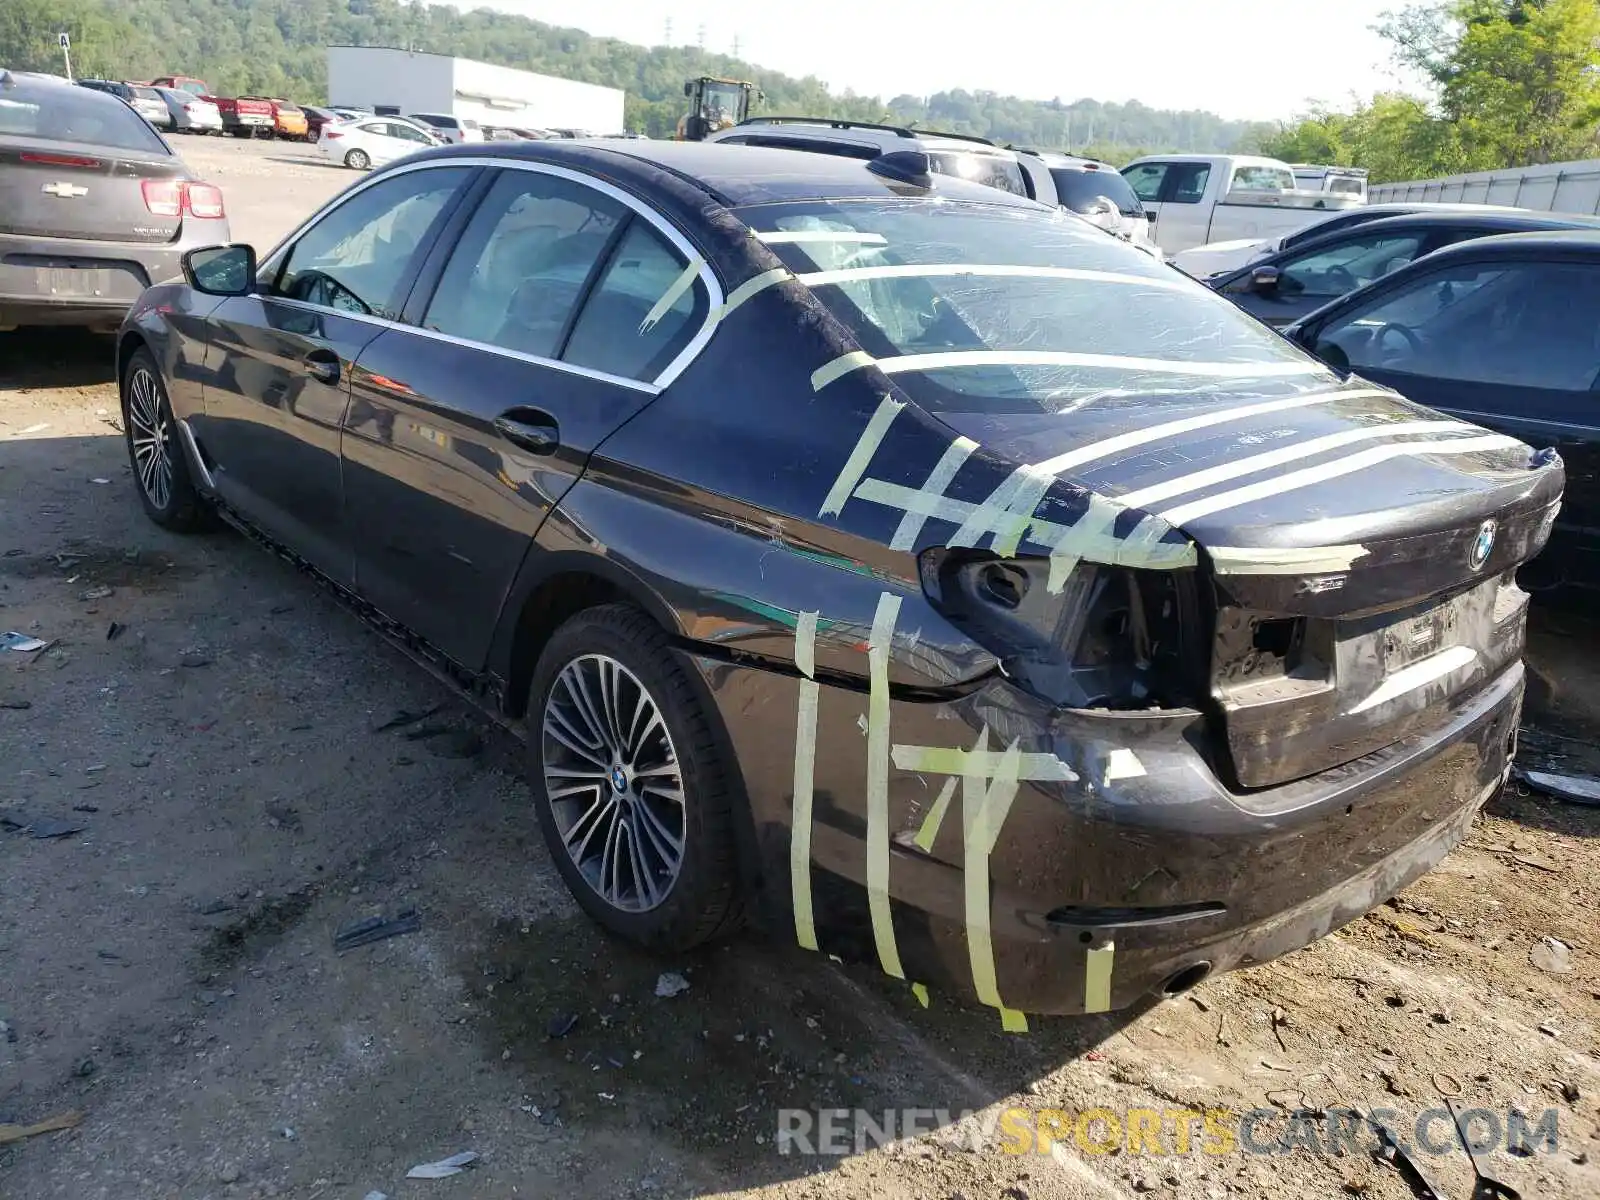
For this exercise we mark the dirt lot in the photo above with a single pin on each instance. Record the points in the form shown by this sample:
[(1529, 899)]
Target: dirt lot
[(168, 970)]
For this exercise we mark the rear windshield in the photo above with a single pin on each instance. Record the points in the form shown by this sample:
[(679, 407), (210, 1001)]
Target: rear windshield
[(288, 108), (1333, 225), (145, 93), (58, 114), (1080, 190), (1093, 316), (988, 169)]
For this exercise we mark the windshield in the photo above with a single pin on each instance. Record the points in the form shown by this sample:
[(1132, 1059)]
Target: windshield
[(1081, 190), (990, 309), (67, 115), (988, 169), (723, 104)]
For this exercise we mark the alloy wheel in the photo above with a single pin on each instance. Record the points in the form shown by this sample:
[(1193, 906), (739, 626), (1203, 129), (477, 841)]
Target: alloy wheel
[(151, 437), (614, 783)]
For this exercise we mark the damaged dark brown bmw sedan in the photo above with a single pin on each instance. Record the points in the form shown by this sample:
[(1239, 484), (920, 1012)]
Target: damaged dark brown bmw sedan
[(918, 567)]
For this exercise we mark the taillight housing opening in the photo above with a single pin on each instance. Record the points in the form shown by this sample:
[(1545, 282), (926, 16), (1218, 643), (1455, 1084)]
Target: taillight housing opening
[(1112, 637), (205, 201)]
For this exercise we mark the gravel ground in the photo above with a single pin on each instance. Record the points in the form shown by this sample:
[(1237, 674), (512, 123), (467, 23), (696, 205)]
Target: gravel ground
[(212, 721)]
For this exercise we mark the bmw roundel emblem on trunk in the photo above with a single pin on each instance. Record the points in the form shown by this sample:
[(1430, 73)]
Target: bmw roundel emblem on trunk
[(1482, 546)]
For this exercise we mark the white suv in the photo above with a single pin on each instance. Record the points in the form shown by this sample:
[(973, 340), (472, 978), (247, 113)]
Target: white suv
[(1099, 194), (452, 129)]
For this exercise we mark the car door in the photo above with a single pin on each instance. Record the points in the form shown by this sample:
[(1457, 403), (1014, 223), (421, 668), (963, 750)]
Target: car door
[(1292, 285), (1185, 217), (277, 380), (552, 316), (404, 139), (1510, 344), (1146, 180)]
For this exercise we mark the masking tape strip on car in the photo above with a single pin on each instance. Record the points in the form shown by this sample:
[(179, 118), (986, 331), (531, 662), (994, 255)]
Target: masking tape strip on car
[(946, 760), (677, 288), (878, 647), (1311, 476), (986, 796), (1145, 497), (784, 237), (1097, 978), (935, 818), (1123, 763), (1418, 674), (943, 473), (805, 757), (1281, 560), (901, 363), (985, 270), (751, 288), (1007, 513), (861, 457), (1206, 420)]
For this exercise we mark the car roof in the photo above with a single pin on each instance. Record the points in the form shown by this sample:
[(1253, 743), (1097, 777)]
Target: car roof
[(736, 175), (1501, 222), (889, 137), (18, 86), (1057, 161), (1574, 243)]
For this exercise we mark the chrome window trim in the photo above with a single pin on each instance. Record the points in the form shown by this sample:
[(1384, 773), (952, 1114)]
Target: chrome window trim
[(714, 295)]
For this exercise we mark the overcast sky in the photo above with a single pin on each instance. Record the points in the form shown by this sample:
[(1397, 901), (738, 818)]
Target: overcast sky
[(1239, 58)]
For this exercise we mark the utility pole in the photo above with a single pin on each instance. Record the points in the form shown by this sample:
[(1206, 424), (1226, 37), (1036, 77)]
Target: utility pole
[(667, 37), (66, 52), (736, 45), (701, 42)]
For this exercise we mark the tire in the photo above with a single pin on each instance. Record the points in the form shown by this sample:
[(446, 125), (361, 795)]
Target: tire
[(357, 160), (160, 470), (662, 907)]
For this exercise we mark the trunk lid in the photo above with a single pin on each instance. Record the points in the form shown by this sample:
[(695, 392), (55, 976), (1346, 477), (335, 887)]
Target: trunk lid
[(80, 190), (1360, 551)]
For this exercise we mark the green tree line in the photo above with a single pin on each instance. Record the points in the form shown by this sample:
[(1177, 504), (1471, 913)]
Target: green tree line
[(275, 47), (1513, 83)]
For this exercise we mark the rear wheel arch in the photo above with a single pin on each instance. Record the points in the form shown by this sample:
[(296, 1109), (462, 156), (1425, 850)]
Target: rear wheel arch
[(129, 344)]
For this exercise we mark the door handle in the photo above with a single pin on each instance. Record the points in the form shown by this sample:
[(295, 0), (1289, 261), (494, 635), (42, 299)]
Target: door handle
[(534, 431), (323, 366)]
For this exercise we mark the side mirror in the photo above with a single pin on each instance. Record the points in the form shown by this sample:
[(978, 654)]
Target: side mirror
[(688, 88), (221, 270), (1265, 280), (1334, 355)]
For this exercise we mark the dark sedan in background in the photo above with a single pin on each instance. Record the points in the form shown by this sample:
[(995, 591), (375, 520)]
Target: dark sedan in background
[(1503, 332), (1293, 283), (94, 206), (957, 586)]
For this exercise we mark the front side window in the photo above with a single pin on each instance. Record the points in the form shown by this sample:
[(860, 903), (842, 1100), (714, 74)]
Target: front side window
[(1526, 324), (521, 267), (356, 258), (1339, 270), (1085, 314), (642, 312), (1146, 180), (406, 133)]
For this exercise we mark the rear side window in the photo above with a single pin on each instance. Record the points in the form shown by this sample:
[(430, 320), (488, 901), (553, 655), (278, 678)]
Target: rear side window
[(64, 114), (356, 258), (1081, 190), (145, 93), (643, 311), (1186, 183), (516, 277), (1262, 179), (987, 169)]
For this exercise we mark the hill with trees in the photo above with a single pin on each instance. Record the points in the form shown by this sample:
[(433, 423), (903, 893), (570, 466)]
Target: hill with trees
[(275, 48)]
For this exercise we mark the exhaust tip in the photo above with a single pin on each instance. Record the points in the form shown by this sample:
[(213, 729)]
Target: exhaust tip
[(1185, 979)]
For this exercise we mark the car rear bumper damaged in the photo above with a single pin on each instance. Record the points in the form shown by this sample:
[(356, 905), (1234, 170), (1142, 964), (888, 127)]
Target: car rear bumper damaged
[(1054, 861)]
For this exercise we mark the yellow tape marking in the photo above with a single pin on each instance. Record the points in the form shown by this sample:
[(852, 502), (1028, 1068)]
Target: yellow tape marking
[(986, 796), (678, 287), (878, 647), (1097, 978), (839, 368), (920, 991), (940, 478), (946, 760), (752, 287), (1013, 1021), (861, 457), (935, 818), (805, 756)]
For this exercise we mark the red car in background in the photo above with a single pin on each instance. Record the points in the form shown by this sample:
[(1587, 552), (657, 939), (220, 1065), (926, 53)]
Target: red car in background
[(242, 118)]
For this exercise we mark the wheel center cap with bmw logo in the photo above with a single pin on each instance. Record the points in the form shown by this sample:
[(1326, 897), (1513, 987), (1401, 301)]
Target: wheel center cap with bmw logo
[(1482, 546), (619, 780)]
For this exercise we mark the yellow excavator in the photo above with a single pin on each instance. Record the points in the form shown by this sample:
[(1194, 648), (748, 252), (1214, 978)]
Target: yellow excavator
[(714, 104)]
